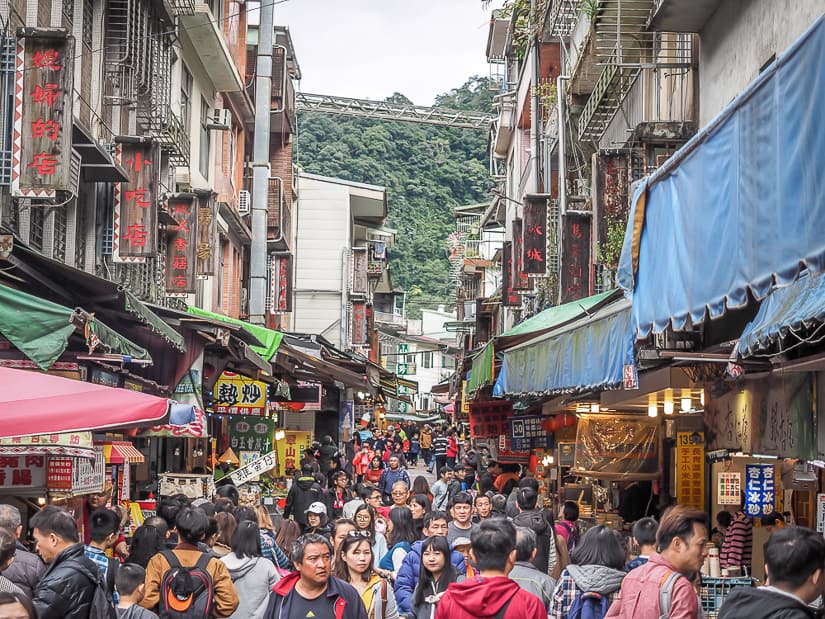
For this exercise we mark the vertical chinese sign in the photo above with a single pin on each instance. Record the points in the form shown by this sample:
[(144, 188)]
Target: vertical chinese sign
[(359, 270), (359, 323), (181, 253), (290, 450), (760, 489), (575, 275), (207, 235), (42, 139), (535, 235), (136, 213), (280, 289), (508, 295), (690, 475), (518, 278)]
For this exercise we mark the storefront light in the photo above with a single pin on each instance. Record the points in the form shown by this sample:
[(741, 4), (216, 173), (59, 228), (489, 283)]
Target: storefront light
[(668, 407), (702, 398), (594, 408), (280, 435), (41, 501), (652, 407), (686, 402)]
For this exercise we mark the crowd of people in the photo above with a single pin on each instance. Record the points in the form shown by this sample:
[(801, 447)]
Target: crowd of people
[(478, 543)]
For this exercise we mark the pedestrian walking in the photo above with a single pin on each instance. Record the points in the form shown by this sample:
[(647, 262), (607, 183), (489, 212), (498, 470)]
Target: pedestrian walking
[(436, 574), (644, 536), (524, 571), (426, 441), (304, 492), (737, 548), (131, 587), (439, 447), (27, 568), (391, 475), (355, 565), (251, 573)]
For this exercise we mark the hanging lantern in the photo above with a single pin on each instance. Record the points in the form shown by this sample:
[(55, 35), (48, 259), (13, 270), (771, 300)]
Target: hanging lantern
[(568, 420), (554, 424), (547, 425)]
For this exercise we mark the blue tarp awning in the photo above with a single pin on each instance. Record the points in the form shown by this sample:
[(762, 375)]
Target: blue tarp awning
[(785, 311), (587, 354), (740, 206)]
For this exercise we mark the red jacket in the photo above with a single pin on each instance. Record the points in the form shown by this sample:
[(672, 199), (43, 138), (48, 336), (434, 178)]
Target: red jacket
[(452, 446), (348, 604), (639, 595), (481, 597)]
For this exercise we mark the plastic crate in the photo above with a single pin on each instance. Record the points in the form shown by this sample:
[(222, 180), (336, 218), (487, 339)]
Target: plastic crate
[(715, 590)]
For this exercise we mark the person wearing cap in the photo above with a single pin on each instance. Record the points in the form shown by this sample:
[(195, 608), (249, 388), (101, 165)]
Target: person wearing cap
[(463, 545), (304, 492), (317, 521)]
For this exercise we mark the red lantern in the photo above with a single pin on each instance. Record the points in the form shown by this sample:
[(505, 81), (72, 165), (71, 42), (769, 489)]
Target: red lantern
[(547, 425), (568, 420), (554, 424)]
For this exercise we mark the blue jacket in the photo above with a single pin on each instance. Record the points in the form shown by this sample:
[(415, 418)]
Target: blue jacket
[(389, 477), (407, 577)]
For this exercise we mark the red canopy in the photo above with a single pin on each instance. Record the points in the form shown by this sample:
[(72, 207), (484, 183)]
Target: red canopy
[(38, 403)]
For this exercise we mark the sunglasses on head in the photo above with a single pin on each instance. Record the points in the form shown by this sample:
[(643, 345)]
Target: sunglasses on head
[(358, 534)]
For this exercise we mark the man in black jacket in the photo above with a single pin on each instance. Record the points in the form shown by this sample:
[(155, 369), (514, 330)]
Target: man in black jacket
[(27, 568), (67, 588), (304, 492)]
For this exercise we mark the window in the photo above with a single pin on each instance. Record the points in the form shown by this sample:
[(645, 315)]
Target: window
[(427, 359), (88, 17), (203, 164), (185, 96)]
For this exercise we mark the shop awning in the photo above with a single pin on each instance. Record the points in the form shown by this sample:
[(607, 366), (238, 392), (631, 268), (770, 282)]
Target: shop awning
[(38, 403), (481, 372), (270, 339), (740, 206), (72, 444), (418, 418), (138, 308), (587, 354), (40, 329), (121, 452), (785, 311)]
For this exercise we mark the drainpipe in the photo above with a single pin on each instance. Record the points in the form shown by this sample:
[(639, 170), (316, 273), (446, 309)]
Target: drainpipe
[(535, 134), (260, 166), (560, 102)]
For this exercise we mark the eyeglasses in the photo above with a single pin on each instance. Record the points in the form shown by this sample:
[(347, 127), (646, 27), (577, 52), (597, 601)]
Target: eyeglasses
[(359, 534)]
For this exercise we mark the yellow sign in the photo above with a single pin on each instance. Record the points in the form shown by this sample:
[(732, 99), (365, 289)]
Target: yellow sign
[(290, 451), (234, 394), (465, 402), (690, 469)]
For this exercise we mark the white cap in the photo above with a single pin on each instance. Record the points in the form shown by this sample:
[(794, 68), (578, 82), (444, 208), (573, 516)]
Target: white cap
[(317, 508), (461, 541)]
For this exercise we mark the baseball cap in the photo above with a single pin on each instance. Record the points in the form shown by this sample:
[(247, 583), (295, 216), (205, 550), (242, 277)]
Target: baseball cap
[(461, 541), (317, 508)]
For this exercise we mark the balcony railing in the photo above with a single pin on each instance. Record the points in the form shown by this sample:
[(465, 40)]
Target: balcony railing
[(391, 318)]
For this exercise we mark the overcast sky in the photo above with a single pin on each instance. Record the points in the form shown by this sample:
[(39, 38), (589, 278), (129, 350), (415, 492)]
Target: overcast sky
[(373, 48)]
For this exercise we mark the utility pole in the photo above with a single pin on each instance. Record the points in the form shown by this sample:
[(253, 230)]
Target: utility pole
[(260, 166)]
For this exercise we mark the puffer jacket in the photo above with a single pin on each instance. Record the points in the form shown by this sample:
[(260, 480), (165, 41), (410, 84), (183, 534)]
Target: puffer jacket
[(304, 492), (407, 577), (585, 578), (66, 589), (546, 554), (26, 570), (253, 577)]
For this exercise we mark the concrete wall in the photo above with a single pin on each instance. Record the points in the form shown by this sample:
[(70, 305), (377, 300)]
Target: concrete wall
[(739, 39)]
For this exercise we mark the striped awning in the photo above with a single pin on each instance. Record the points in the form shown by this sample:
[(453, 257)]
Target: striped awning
[(120, 452)]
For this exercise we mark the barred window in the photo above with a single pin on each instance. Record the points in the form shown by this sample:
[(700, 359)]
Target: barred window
[(60, 229), (88, 13), (68, 11), (37, 218)]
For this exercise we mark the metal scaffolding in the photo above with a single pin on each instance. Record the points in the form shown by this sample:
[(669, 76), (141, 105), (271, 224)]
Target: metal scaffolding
[(385, 110)]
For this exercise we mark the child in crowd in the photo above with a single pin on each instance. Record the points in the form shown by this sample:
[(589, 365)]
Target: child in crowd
[(130, 585), (644, 534)]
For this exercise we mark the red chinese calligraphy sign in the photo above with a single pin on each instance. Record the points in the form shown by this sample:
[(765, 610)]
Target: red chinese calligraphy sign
[(509, 296), (136, 209), (535, 235), (280, 289), (181, 252), (359, 323), (42, 137), (207, 235), (518, 277), (575, 272)]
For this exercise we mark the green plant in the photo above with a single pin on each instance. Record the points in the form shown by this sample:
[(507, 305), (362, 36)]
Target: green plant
[(590, 8), (611, 249)]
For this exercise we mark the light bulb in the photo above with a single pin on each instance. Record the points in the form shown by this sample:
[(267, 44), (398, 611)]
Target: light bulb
[(668, 407), (702, 398), (686, 403), (652, 410), (279, 435), (594, 408)]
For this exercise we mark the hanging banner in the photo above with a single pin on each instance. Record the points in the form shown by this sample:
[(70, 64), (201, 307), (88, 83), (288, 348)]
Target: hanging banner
[(359, 323), (75, 444), (290, 448), (280, 290), (359, 270), (729, 489), (253, 470), (519, 279), (820, 513), (490, 419), (251, 434), (235, 394), (575, 273), (207, 235), (535, 235), (509, 296), (617, 447), (181, 253), (136, 209), (346, 420), (42, 137), (760, 489), (690, 469)]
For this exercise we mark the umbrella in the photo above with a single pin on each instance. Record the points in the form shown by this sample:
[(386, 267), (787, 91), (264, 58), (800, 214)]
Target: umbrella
[(38, 403)]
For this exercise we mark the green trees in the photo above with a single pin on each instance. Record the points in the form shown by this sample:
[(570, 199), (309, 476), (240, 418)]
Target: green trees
[(427, 171)]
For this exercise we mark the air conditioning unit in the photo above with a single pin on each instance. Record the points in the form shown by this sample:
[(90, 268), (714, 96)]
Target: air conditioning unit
[(244, 202), (220, 118)]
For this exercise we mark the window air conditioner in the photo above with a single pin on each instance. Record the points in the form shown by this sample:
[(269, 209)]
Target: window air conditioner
[(244, 202), (220, 118)]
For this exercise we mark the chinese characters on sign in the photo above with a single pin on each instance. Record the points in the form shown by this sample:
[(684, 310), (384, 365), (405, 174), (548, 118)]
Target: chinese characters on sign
[(234, 394), (730, 489), (136, 214), (359, 270), (290, 450), (760, 489), (490, 419), (251, 434), (251, 471), (519, 279), (575, 275), (207, 233), (690, 473), (359, 323), (535, 235), (43, 116), (509, 296), (181, 252), (280, 290), (22, 472)]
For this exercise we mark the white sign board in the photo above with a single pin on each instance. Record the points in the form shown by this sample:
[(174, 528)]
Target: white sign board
[(253, 469), (88, 475), (729, 489), (820, 513)]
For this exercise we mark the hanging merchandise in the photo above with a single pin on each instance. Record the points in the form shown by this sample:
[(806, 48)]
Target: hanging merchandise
[(617, 447)]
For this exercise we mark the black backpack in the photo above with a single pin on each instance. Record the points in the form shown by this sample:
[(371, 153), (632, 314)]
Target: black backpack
[(186, 592), (102, 606)]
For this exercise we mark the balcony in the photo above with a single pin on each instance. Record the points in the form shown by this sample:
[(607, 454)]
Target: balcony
[(388, 318), (205, 34), (682, 15), (283, 95), (506, 106), (167, 129)]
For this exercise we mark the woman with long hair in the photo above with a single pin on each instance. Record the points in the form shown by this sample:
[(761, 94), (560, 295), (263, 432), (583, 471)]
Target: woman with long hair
[(375, 469), (340, 529), (365, 521), (354, 564), (226, 529), (16, 605), (269, 548), (596, 565), (339, 493), (437, 572), (252, 574), (288, 532), (146, 543), (402, 535), (422, 486), (420, 504)]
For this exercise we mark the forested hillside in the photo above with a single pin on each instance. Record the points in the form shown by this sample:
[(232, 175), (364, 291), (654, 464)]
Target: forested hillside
[(427, 171)]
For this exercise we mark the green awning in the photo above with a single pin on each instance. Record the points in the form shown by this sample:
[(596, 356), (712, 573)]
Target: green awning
[(271, 339), (40, 329), (556, 316), (481, 372), (152, 320)]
